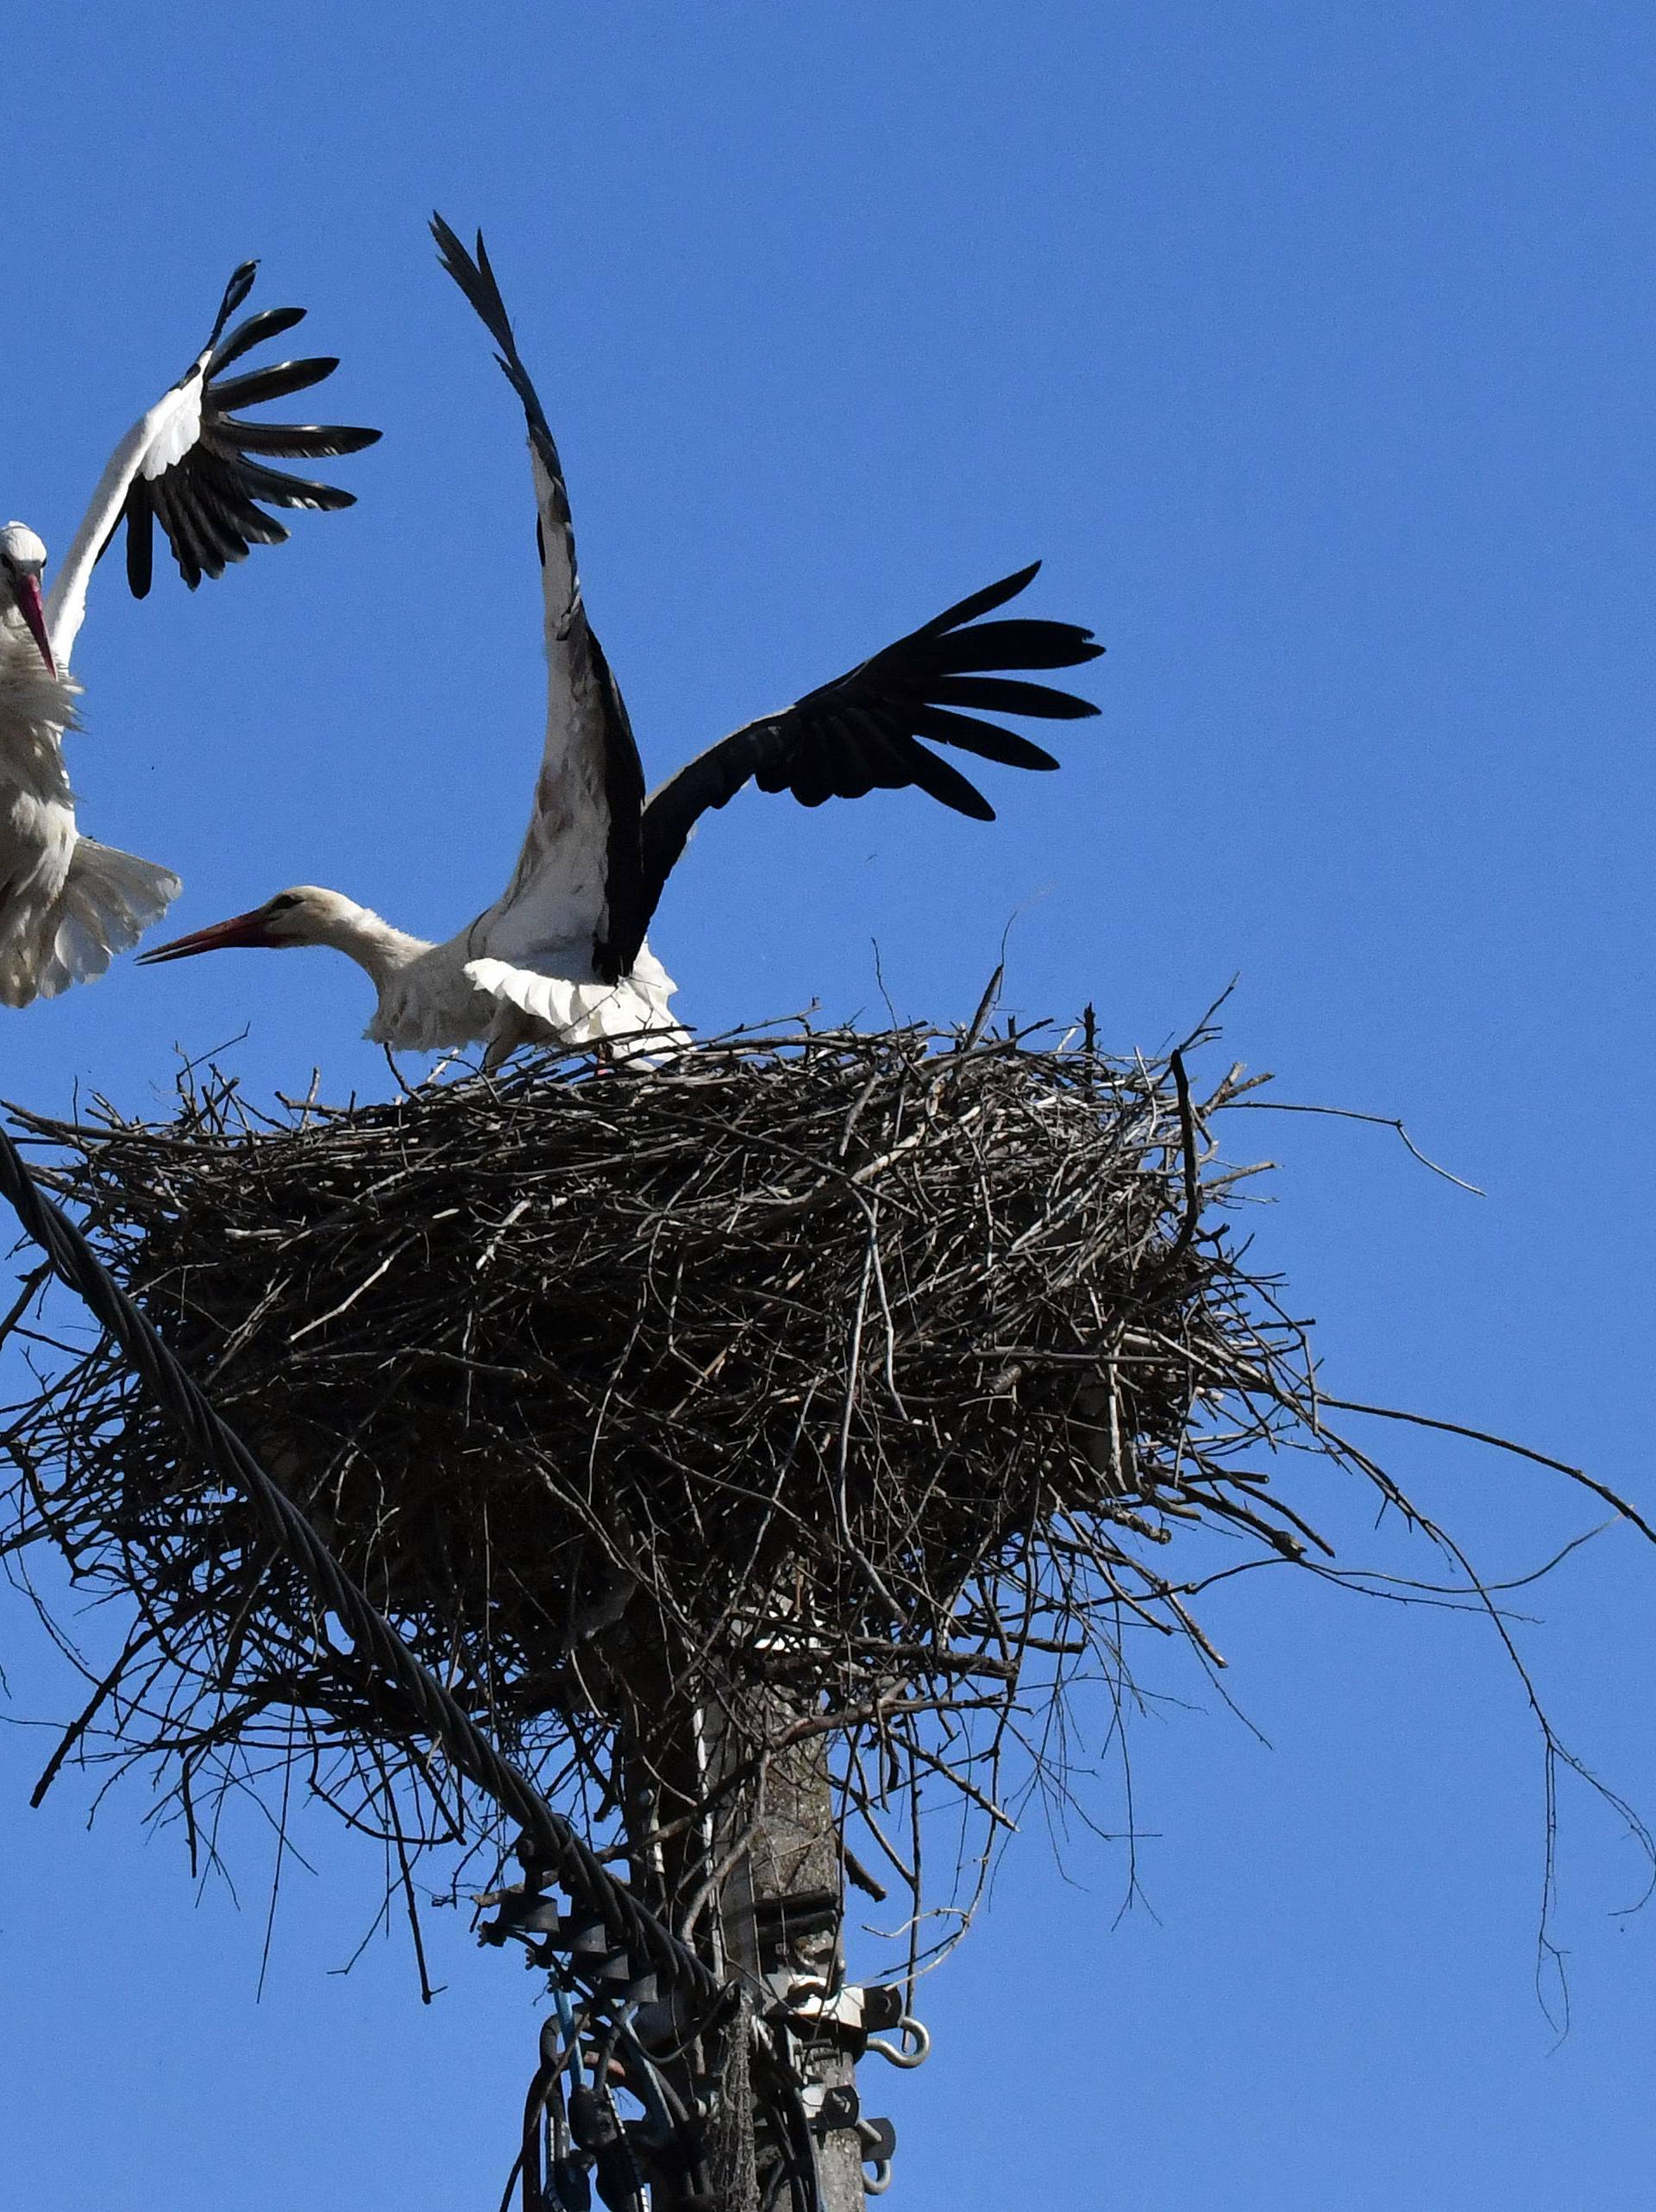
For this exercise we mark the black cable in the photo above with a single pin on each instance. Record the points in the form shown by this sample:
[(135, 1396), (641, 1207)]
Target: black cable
[(553, 1841), (778, 2093)]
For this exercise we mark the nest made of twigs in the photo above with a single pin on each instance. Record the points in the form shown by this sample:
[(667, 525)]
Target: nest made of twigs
[(859, 1379)]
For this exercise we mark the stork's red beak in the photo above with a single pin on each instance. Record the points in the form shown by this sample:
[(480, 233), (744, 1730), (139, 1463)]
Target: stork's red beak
[(27, 591), (240, 930)]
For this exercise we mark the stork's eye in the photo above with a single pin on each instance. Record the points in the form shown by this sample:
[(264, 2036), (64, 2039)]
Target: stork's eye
[(288, 898)]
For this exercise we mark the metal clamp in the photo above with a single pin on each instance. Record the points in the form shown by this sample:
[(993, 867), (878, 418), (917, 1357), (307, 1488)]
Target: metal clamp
[(828, 2106), (852, 2005)]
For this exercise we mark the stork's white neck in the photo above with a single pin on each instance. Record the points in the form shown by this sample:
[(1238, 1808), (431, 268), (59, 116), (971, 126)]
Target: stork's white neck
[(373, 943)]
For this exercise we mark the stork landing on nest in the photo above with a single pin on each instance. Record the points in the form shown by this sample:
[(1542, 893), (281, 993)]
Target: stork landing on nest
[(561, 956)]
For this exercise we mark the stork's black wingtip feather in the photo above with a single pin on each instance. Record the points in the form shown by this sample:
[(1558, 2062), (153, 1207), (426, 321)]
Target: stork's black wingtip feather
[(475, 274), (981, 602), (456, 262), (236, 292)]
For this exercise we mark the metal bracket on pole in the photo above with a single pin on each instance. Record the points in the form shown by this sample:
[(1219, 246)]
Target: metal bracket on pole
[(577, 1944)]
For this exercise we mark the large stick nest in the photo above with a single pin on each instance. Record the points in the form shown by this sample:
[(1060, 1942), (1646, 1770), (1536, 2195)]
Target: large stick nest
[(842, 1384)]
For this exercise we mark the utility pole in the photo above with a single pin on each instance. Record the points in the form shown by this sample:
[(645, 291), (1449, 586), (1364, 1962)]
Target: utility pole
[(756, 1866), (783, 1909)]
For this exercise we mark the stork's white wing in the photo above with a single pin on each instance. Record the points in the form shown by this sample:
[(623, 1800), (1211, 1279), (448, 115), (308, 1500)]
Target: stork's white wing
[(188, 464), (580, 874)]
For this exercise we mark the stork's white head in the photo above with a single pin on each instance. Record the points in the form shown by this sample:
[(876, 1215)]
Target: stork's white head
[(22, 558), (21, 549), (306, 915)]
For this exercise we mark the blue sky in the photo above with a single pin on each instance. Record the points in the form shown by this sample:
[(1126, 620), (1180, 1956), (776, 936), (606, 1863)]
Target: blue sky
[(1311, 348)]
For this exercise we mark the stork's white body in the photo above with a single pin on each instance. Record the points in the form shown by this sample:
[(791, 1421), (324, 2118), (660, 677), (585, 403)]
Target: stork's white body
[(37, 811), (490, 985), (67, 904)]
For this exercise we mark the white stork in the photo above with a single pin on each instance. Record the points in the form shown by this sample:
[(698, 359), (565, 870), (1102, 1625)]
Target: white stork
[(68, 903), (561, 955)]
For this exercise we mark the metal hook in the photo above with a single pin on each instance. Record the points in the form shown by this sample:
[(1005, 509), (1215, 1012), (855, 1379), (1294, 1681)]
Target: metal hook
[(918, 2038)]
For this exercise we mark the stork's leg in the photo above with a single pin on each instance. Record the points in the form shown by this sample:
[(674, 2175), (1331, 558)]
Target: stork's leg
[(510, 1028)]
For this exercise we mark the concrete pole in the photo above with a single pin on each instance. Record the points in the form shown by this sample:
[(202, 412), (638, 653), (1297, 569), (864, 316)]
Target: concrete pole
[(793, 1853), (778, 1906)]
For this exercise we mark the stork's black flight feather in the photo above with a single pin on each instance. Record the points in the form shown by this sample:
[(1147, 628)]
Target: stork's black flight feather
[(862, 732), (211, 497)]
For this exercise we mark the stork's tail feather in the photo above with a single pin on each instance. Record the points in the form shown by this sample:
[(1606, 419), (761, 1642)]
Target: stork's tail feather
[(631, 1016), (107, 900)]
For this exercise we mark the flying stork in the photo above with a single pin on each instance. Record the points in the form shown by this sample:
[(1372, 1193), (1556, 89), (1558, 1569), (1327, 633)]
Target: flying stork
[(561, 955), (68, 903)]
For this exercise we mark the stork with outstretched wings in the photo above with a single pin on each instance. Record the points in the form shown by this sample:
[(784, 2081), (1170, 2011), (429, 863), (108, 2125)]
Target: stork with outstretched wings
[(68, 903), (562, 954)]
